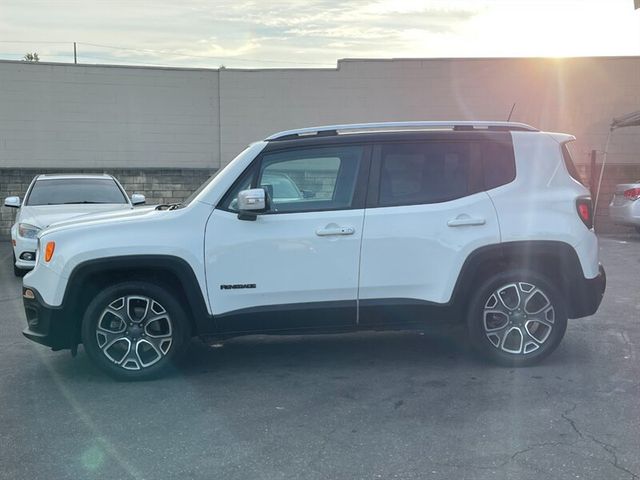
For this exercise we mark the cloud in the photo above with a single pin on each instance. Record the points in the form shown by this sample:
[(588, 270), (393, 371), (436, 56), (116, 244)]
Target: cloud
[(255, 33)]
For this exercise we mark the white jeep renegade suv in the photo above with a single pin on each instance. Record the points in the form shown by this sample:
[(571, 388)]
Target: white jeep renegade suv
[(335, 229)]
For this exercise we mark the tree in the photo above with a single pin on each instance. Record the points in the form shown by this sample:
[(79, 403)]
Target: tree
[(31, 57)]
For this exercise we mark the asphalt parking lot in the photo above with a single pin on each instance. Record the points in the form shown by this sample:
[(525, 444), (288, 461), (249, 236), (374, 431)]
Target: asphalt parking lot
[(359, 406)]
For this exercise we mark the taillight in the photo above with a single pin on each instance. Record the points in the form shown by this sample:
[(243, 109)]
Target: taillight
[(585, 211), (632, 194)]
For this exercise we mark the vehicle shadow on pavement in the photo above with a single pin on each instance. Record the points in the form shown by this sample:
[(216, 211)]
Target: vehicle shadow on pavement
[(346, 354), (326, 351)]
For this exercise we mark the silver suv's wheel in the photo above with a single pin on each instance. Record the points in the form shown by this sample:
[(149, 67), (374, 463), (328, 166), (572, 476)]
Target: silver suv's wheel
[(134, 329), (517, 318)]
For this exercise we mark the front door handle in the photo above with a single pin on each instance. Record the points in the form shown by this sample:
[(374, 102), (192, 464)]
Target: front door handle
[(334, 229), (465, 220)]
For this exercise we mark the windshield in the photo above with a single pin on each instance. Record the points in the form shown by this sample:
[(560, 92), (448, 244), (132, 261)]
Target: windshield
[(75, 191)]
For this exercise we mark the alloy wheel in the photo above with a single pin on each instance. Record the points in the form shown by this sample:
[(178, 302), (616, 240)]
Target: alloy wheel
[(134, 332), (518, 318)]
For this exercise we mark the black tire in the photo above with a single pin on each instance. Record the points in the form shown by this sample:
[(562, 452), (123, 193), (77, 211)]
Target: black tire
[(160, 303), (18, 272), (520, 323)]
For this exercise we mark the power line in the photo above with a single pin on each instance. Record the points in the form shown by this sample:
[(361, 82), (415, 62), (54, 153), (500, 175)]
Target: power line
[(35, 41)]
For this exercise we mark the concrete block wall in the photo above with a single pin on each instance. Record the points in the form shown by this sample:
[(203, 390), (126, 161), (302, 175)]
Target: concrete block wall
[(159, 185)]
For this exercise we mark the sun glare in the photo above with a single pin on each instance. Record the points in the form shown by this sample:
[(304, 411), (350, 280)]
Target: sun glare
[(607, 28)]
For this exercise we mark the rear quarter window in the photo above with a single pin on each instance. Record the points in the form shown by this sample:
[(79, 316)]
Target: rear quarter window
[(568, 161), (498, 163)]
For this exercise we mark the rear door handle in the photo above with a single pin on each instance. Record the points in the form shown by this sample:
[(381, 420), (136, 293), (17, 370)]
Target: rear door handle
[(335, 230), (465, 220)]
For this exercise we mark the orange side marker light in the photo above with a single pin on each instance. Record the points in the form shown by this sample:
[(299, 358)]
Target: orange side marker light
[(48, 251)]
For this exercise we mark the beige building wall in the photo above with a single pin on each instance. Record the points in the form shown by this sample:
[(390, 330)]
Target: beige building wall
[(164, 130), (72, 116), (76, 116), (578, 96)]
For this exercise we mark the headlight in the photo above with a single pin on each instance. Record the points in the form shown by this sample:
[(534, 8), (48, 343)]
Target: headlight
[(27, 231)]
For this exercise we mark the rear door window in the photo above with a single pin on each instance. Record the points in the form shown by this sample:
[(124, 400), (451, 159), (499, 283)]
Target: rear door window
[(427, 172)]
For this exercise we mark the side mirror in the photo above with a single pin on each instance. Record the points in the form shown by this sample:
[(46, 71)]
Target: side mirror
[(13, 202), (252, 202), (138, 199)]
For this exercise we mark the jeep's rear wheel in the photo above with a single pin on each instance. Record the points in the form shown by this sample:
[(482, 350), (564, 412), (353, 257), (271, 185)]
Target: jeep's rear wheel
[(134, 330), (517, 318)]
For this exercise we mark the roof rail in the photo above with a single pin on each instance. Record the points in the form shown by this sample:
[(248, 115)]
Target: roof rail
[(332, 130)]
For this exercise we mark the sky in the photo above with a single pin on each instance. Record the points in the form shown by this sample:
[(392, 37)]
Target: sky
[(312, 33)]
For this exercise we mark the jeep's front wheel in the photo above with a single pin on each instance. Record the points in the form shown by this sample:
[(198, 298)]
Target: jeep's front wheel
[(134, 330), (516, 318)]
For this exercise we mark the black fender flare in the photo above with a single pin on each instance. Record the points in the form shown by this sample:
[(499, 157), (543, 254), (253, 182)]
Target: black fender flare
[(556, 259), (164, 269)]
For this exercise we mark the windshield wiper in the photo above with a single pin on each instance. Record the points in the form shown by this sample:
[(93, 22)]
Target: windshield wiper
[(169, 206), (79, 203)]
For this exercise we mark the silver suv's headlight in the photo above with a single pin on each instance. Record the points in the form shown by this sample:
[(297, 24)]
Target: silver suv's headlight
[(27, 231)]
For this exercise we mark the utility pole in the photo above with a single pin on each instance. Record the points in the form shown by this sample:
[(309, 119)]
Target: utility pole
[(75, 53), (593, 181)]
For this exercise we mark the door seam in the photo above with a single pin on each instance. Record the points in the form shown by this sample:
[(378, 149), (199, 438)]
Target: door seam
[(364, 214)]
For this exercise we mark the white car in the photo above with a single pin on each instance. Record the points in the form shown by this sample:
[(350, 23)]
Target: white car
[(55, 198), (390, 226), (624, 208)]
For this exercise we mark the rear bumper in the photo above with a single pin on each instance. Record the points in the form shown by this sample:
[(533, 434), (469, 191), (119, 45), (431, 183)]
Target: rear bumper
[(587, 294), (48, 325), (626, 214)]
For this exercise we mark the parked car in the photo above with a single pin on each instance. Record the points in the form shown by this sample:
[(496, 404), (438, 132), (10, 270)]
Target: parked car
[(54, 198), (402, 225), (624, 208)]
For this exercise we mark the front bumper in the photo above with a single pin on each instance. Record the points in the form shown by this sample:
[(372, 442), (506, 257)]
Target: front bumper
[(25, 245), (25, 265), (47, 325), (586, 295)]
